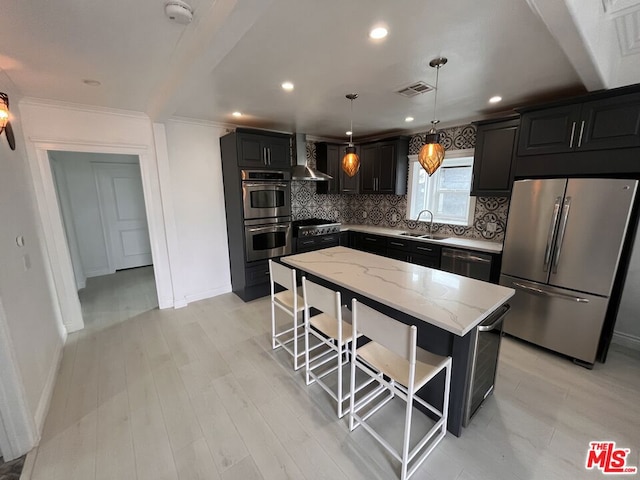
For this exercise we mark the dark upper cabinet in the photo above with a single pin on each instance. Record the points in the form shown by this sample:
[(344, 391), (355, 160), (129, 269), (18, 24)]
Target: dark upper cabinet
[(383, 166), (611, 123), (369, 168), (600, 124), (329, 161), (263, 150), (552, 130), (348, 184), (494, 157)]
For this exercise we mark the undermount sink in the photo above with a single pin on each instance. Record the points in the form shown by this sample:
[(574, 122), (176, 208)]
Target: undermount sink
[(424, 235)]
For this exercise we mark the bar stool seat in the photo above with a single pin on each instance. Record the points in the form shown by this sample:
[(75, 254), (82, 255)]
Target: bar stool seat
[(286, 299), (328, 325), (394, 366)]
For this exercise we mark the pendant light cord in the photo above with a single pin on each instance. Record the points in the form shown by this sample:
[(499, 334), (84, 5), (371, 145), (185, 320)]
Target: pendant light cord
[(435, 99), (351, 129)]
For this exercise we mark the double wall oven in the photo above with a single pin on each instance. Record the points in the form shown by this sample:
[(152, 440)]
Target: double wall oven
[(266, 204)]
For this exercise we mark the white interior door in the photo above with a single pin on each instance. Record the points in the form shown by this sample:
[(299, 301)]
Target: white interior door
[(123, 214)]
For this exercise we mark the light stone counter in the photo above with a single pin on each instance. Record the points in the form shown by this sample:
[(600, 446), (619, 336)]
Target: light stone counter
[(452, 302), (453, 241)]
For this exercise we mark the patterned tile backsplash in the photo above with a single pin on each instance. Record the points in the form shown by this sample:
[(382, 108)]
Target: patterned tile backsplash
[(390, 210)]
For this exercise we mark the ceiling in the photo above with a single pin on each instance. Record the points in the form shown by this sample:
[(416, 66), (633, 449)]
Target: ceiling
[(236, 53)]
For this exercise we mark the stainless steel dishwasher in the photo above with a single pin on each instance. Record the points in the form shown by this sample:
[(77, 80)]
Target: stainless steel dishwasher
[(470, 264), (484, 358)]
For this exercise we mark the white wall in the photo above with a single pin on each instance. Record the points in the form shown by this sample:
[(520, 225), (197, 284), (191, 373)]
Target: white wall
[(627, 329), (78, 195), (30, 313), (198, 203)]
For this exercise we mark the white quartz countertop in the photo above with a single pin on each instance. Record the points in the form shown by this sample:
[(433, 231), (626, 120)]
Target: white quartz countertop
[(469, 243), (449, 301)]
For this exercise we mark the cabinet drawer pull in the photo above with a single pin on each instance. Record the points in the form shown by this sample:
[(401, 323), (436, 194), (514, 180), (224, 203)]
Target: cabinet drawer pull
[(369, 239), (397, 244), (580, 136), (573, 133), (426, 249), (308, 242)]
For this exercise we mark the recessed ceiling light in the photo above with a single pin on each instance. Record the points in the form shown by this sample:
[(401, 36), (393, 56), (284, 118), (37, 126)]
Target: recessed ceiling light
[(378, 33), (495, 99), (288, 86), (408, 119), (91, 83), (349, 132), (236, 114)]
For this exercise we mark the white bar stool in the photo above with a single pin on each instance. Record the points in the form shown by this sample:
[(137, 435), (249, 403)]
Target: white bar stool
[(393, 352), (332, 328), (290, 302)]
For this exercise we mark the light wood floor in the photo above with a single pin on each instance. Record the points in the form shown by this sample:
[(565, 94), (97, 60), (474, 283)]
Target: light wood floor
[(197, 393)]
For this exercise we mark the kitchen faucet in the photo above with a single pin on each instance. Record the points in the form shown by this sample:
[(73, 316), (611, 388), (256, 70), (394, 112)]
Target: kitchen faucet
[(430, 221)]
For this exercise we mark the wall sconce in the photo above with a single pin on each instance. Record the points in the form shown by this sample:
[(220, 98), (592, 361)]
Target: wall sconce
[(5, 125)]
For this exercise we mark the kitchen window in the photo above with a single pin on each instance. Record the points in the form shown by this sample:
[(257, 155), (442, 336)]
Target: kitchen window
[(446, 193)]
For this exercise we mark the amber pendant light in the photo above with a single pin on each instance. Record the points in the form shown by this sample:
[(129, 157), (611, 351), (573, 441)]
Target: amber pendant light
[(431, 154), (351, 161)]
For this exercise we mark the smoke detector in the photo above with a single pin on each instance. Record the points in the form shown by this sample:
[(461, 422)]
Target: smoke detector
[(178, 11)]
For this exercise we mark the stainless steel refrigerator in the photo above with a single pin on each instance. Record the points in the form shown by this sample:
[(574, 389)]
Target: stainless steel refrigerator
[(561, 253)]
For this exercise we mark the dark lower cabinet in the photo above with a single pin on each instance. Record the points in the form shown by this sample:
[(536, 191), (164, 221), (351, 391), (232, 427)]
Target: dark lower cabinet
[(399, 254), (425, 254), (345, 239), (257, 273), (308, 244), (419, 253)]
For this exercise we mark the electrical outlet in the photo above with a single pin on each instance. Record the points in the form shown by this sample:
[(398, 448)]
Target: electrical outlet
[(491, 227), (364, 214), (335, 214), (394, 217)]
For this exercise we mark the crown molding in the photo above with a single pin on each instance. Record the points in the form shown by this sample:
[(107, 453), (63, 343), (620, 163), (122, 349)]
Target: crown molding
[(44, 102)]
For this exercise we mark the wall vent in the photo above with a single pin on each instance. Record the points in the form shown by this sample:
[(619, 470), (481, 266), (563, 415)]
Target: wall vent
[(414, 89)]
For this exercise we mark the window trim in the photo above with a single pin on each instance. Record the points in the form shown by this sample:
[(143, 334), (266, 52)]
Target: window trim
[(452, 159)]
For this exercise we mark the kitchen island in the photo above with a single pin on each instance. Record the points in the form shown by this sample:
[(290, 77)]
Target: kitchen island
[(445, 307)]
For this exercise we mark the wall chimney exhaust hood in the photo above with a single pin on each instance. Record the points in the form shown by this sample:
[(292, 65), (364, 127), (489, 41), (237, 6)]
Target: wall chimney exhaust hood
[(301, 171)]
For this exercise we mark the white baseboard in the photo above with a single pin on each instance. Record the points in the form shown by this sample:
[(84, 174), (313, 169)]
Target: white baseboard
[(183, 302), (214, 292), (626, 340), (47, 391), (29, 463), (98, 272)]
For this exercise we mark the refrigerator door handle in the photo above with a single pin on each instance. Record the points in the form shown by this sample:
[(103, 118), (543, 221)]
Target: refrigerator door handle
[(561, 232), (552, 233), (547, 293)]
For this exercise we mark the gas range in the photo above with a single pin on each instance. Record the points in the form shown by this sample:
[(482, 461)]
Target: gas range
[(313, 227)]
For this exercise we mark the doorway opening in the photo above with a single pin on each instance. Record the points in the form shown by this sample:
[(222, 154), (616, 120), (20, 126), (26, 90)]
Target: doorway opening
[(103, 212)]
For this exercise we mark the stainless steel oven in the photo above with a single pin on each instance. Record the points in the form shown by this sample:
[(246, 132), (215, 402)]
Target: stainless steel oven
[(267, 238), (266, 194)]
